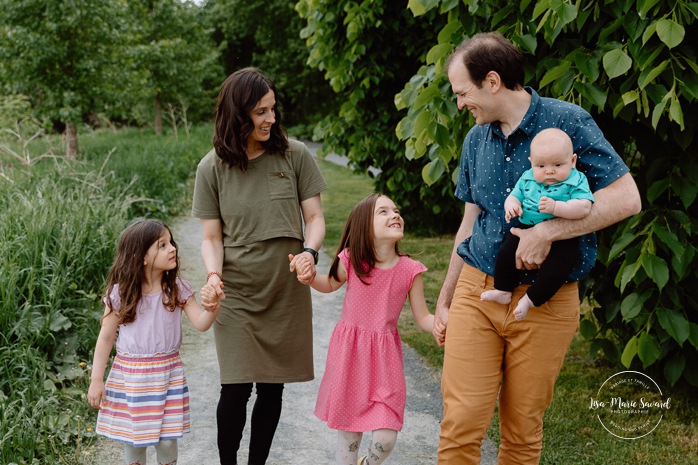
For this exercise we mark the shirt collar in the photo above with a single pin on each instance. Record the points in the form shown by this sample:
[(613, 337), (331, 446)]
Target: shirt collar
[(528, 123)]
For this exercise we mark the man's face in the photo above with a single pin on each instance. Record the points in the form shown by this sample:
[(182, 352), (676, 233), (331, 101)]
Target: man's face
[(475, 99)]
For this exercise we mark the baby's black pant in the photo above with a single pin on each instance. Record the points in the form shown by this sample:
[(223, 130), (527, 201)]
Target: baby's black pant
[(551, 275), (232, 413)]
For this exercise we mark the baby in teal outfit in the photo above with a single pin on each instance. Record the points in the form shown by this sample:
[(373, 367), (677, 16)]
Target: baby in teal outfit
[(552, 188)]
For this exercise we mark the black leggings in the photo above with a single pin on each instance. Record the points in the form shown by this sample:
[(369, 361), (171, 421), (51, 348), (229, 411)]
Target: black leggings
[(232, 414), (550, 277)]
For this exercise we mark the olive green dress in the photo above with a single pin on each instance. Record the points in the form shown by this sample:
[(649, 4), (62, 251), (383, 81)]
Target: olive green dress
[(263, 331)]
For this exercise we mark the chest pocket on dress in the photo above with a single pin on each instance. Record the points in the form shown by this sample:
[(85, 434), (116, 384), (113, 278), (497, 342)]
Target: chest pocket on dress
[(281, 185)]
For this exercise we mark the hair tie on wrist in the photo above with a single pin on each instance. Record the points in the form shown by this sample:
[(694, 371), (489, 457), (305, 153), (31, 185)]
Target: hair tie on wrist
[(208, 276)]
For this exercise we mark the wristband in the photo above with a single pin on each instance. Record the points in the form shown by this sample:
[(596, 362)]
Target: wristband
[(312, 252), (208, 276)]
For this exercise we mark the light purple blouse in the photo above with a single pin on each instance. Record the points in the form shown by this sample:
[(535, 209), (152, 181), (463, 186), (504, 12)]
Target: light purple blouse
[(155, 330)]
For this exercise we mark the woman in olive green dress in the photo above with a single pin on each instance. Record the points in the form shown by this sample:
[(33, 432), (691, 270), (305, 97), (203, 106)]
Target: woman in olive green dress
[(257, 194)]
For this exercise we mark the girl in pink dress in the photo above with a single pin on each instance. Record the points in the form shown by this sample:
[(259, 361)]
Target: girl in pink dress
[(363, 388), (145, 401)]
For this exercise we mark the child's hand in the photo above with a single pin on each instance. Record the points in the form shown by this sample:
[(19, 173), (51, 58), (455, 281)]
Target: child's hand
[(512, 208), (304, 268), (546, 205), (211, 295), (96, 393), (439, 333)]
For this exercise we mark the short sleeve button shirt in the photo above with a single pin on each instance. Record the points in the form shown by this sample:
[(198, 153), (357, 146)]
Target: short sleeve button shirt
[(491, 163)]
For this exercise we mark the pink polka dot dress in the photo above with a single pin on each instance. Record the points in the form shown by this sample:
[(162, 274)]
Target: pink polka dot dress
[(363, 388)]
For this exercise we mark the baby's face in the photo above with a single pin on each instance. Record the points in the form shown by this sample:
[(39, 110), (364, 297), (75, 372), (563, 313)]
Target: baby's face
[(550, 164)]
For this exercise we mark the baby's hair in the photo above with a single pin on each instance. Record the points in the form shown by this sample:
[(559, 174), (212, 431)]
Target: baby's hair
[(358, 238), (128, 270)]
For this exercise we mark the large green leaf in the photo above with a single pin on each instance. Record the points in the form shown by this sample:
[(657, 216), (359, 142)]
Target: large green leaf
[(668, 238), (647, 349), (649, 74), (432, 171), (587, 328), (629, 352), (674, 368), (420, 7), (693, 334), (674, 323), (670, 32), (632, 305), (555, 73), (656, 269), (621, 244), (616, 63)]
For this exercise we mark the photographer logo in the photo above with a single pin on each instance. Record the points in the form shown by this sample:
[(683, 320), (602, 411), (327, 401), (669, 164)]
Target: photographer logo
[(629, 405)]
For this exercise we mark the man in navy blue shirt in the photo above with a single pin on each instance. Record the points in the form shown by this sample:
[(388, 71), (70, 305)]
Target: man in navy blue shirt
[(489, 355)]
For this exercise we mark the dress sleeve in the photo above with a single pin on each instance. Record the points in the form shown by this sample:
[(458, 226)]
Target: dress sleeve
[(310, 180), (205, 203), (344, 258), (115, 299), (416, 268), (185, 289)]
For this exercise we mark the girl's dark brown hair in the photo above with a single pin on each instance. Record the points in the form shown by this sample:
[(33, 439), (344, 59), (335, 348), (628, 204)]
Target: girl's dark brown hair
[(238, 96), (357, 236), (128, 270)]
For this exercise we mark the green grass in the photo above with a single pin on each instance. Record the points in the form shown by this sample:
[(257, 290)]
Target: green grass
[(572, 434)]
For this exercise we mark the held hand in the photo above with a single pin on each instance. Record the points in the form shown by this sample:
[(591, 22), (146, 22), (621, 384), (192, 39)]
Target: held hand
[(304, 268), (440, 324), (211, 295), (96, 393), (546, 205), (533, 248)]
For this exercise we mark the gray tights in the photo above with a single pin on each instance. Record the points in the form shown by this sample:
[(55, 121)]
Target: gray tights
[(166, 452)]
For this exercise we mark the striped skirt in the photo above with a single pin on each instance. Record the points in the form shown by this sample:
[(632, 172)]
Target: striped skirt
[(147, 400)]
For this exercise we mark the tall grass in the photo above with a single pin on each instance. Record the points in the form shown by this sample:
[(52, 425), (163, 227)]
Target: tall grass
[(59, 222)]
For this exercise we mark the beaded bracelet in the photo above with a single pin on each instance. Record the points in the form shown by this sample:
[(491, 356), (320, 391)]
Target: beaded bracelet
[(208, 276)]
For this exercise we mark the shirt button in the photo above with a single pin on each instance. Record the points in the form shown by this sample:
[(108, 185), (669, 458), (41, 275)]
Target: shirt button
[(508, 159), (508, 189)]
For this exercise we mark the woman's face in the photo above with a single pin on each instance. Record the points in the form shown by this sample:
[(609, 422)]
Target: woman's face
[(263, 117)]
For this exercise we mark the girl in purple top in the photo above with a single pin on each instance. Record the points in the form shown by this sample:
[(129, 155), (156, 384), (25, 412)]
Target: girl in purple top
[(145, 401), (363, 388)]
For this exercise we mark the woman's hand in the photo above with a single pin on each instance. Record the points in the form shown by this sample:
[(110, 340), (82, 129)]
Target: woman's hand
[(211, 295), (303, 266)]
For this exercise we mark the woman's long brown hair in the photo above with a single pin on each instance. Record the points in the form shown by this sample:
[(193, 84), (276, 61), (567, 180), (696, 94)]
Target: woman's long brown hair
[(357, 236), (238, 96), (128, 271)]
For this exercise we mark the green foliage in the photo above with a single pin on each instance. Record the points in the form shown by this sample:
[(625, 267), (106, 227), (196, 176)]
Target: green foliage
[(60, 53), (57, 232), (266, 35), (59, 222), (172, 47), (632, 65), (368, 50)]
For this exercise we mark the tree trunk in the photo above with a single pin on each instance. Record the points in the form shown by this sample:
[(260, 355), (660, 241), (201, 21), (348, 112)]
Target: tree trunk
[(158, 115), (71, 141)]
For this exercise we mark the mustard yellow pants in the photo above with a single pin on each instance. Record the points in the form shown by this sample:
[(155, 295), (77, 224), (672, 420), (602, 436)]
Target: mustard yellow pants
[(489, 354)]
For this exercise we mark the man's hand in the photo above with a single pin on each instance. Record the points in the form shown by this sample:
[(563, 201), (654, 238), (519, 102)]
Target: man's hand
[(440, 324), (533, 247)]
